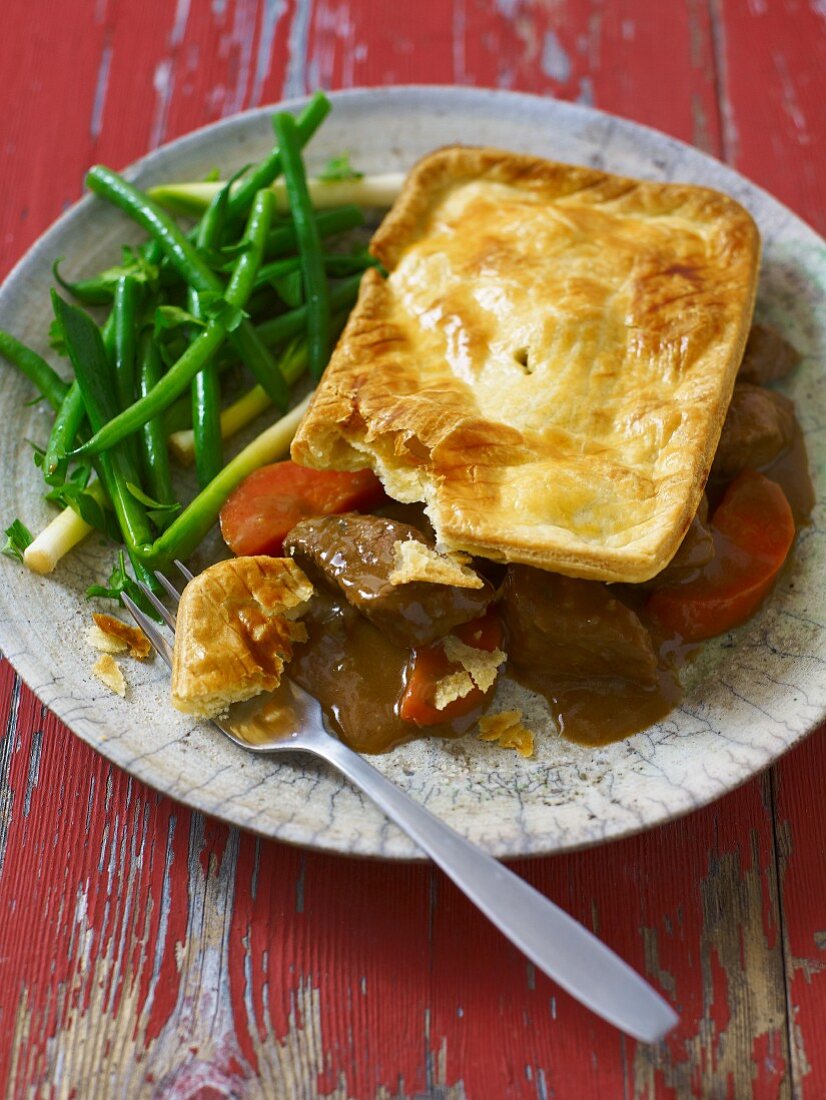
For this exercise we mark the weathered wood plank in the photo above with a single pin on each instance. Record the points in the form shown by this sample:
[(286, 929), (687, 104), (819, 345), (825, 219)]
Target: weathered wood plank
[(772, 60), (773, 84)]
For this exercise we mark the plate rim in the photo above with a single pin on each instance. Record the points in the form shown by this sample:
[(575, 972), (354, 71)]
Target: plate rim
[(32, 672)]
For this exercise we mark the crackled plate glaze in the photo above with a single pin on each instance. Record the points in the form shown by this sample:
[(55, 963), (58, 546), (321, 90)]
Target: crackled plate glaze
[(750, 696)]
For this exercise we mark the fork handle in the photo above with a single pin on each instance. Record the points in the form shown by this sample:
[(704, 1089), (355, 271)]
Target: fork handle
[(559, 945)]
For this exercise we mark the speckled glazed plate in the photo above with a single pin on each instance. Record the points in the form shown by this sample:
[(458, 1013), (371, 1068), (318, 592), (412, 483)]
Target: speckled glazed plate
[(750, 696)]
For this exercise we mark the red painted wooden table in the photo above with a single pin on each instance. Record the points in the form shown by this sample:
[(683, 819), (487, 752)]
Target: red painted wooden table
[(146, 951)]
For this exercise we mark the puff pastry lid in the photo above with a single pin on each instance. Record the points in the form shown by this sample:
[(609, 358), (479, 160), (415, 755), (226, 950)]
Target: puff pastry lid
[(548, 364), (235, 631)]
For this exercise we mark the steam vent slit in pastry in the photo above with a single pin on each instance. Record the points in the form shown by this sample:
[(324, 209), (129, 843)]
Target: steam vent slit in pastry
[(548, 364)]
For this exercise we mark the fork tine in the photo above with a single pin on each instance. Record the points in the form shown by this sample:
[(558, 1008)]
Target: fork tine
[(183, 569), (162, 610), (168, 586), (160, 644)]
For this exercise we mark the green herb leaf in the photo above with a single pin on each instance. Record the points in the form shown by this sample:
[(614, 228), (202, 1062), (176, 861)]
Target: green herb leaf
[(172, 317), (119, 583), (134, 265), (73, 494), (18, 537), (223, 258), (212, 176), (217, 308), (161, 514), (38, 453), (339, 169)]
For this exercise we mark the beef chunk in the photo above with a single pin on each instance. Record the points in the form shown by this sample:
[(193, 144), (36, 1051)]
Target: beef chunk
[(767, 357), (573, 629), (356, 555), (758, 426)]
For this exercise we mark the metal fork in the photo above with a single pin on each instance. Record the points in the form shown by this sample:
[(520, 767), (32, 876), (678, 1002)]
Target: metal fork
[(556, 943)]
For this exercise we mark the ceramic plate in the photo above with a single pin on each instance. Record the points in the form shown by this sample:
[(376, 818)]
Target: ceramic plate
[(750, 696)]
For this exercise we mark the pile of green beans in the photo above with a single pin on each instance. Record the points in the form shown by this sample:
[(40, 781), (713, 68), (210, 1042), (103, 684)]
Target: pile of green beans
[(180, 309)]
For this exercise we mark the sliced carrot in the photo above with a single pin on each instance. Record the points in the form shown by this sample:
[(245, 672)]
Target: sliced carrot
[(753, 533), (429, 665), (266, 506)]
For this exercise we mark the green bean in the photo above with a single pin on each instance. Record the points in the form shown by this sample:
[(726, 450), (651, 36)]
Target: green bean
[(211, 226), (153, 434), (36, 369), (306, 125), (96, 291), (274, 333), (279, 329), (124, 311), (206, 392), (88, 356), (205, 399), (177, 416), (195, 272), (180, 251), (146, 576), (276, 270), (254, 352), (170, 386), (107, 334), (263, 174), (67, 424), (339, 264), (188, 529), (336, 264), (206, 425), (316, 289), (99, 290), (246, 267), (329, 222)]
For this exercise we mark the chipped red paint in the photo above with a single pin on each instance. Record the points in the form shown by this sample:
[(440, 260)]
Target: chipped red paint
[(145, 951)]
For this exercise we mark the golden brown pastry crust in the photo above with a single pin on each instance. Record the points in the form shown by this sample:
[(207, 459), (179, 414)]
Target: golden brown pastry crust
[(549, 363), (235, 630)]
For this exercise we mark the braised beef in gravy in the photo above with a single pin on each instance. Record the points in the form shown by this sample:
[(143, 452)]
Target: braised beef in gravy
[(356, 555), (587, 652), (767, 357), (358, 676), (587, 647), (760, 423)]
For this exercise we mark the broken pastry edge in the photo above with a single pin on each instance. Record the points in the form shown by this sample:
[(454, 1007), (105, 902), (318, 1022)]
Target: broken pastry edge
[(415, 561), (340, 433), (199, 686)]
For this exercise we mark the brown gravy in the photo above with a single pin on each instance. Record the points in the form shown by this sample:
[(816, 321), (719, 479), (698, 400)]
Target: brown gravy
[(358, 675)]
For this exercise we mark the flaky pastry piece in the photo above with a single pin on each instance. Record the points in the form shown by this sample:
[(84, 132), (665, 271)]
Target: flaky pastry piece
[(507, 729), (235, 632), (548, 364)]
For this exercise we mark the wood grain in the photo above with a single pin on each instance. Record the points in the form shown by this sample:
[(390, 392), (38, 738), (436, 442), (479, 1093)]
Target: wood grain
[(145, 951)]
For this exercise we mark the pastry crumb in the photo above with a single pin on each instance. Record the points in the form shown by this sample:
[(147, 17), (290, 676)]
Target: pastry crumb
[(103, 642), (456, 685), (477, 668), (414, 561), (507, 730), (108, 671), (482, 665), (122, 634)]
